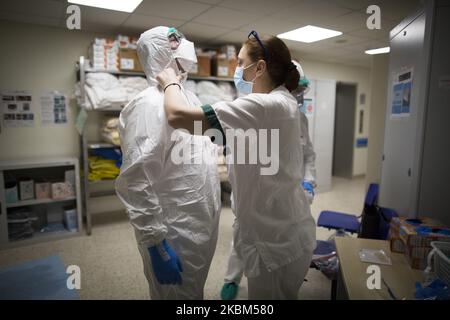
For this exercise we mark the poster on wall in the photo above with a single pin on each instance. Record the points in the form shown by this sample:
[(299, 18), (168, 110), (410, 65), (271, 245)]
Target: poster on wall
[(54, 109), (309, 107), (17, 109), (401, 94)]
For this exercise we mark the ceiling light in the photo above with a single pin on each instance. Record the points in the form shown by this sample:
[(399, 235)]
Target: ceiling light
[(117, 5), (378, 51), (309, 34)]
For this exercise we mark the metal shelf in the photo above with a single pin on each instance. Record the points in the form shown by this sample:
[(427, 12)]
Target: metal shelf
[(34, 202), (112, 109), (43, 236), (190, 77), (90, 187), (137, 73), (119, 73), (27, 164), (100, 145)]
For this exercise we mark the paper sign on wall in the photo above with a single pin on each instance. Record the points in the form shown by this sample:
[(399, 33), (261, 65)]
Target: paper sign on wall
[(17, 109), (401, 94), (309, 106), (54, 109)]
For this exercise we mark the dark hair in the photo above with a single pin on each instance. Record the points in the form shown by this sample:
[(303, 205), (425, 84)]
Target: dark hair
[(279, 65)]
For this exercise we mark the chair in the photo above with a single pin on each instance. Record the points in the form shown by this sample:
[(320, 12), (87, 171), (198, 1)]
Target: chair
[(344, 221)]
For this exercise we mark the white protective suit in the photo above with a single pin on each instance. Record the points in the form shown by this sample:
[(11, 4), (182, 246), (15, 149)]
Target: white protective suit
[(164, 200)]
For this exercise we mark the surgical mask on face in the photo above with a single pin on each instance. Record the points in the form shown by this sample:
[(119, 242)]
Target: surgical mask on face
[(185, 54), (244, 87)]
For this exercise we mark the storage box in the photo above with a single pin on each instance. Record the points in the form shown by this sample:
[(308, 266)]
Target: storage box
[(43, 190), (61, 190), (26, 188), (232, 67), (223, 67), (128, 60), (404, 238), (11, 193), (203, 67), (70, 219)]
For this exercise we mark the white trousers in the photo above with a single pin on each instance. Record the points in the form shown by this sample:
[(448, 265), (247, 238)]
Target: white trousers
[(235, 268), (280, 284)]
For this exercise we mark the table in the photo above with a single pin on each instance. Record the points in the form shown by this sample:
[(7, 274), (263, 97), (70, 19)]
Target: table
[(352, 278)]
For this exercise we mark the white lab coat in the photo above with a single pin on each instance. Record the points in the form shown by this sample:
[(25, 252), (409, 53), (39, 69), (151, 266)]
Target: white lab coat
[(275, 226), (235, 268)]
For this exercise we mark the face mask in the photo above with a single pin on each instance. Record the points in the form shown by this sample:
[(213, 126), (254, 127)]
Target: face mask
[(244, 87), (185, 54)]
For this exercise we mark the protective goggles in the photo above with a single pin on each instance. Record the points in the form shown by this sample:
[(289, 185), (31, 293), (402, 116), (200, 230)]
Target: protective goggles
[(254, 34)]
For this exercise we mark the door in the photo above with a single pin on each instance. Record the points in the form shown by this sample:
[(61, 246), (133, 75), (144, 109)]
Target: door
[(344, 130)]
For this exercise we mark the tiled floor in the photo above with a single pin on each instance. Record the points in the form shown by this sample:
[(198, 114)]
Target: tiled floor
[(111, 266)]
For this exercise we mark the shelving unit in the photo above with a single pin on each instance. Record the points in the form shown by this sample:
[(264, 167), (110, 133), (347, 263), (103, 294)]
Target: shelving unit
[(107, 186), (36, 168)]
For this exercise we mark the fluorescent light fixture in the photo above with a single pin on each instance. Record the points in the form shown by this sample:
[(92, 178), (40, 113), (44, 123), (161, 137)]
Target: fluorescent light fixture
[(378, 51), (309, 34), (117, 5)]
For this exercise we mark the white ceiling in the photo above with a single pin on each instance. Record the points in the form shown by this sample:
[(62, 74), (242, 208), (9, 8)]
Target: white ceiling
[(219, 21)]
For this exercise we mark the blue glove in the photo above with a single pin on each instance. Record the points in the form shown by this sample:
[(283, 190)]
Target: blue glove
[(308, 187), (166, 264)]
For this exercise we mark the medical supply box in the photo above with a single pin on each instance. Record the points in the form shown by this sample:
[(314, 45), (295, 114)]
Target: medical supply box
[(413, 237)]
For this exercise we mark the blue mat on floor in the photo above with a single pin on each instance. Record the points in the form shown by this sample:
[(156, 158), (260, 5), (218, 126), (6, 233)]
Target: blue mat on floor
[(41, 279)]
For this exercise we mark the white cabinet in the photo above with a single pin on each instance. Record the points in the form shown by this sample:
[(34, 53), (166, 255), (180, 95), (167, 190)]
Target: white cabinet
[(46, 216), (415, 171)]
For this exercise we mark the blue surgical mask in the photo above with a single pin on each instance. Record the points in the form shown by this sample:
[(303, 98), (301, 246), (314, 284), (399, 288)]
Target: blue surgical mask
[(244, 87)]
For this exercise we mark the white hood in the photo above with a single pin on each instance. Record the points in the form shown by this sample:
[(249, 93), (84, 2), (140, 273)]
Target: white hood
[(155, 54)]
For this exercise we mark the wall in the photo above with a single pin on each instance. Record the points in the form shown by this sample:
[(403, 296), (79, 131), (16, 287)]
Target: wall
[(348, 74), (39, 59), (379, 83)]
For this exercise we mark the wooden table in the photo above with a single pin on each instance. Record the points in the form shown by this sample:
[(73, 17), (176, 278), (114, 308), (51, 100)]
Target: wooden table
[(352, 279)]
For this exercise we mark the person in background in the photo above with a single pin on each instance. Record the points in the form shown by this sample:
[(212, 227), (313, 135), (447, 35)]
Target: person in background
[(275, 232), (173, 205), (235, 267)]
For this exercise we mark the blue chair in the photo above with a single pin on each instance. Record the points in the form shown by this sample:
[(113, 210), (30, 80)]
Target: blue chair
[(344, 221)]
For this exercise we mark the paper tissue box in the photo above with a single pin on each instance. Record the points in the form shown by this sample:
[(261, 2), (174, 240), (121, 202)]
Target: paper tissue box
[(43, 190), (26, 188), (61, 190)]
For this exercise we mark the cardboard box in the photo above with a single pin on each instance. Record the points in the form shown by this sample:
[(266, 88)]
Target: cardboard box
[(61, 190), (128, 60), (203, 67), (223, 67), (43, 190), (26, 188), (404, 238), (232, 67)]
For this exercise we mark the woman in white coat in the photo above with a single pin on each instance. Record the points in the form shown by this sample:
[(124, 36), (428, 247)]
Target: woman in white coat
[(275, 234), (235, 267)]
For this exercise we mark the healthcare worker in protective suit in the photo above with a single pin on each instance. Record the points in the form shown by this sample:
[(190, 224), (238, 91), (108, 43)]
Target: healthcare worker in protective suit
[(235, 267), (168, 180), (275, 233)]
